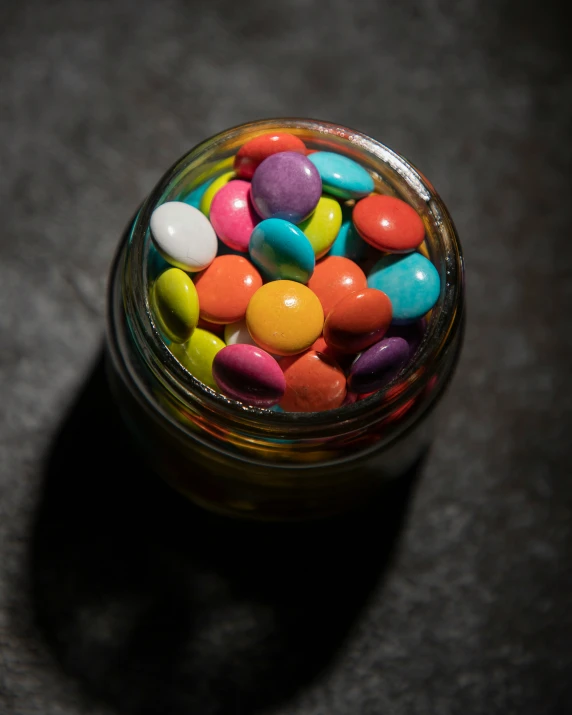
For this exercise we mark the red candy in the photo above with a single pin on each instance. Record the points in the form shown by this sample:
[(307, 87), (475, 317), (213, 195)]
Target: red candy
[(313, 383), (358, 321), (225, 289), (335, 277), (251, 154), (388, 224)]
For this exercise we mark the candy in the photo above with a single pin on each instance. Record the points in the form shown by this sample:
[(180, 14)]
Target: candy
[(287, 186), (253, 153), (249, 374), (411, 282), (388, 224), (175, 305), (411, 332), (237, 334), (194, 197), (335, 277), (358, 321), (281, 250), (313, 383), (349, 243), (378, 365), (226, 287), (197, 355), (212, 189), (342, 176), (284, 317), (323, 225), (183, 236), (232, 215)]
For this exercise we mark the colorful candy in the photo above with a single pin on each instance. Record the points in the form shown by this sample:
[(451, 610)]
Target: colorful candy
[(253, 153), (249, 374), (183, 236), (378, 365), (313, 383), (284, 317), (232, 215), (335, 277), (282, 251), (388, 224), (226, 287), (358, 321), (323, 225), (411, 282), (349, 243), (212, 189), (175, 305), (286, 185), (341, 176), (197, 355)]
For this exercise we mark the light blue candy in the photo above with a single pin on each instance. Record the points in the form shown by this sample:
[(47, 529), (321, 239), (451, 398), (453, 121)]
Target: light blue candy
[(194, 198), (281, 251), (349, 243), (411, 282), (341, 177)]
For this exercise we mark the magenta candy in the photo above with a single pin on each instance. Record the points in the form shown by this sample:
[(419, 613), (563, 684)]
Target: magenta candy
[(249, 374), (232, 215), (378, 365), (287, 186)]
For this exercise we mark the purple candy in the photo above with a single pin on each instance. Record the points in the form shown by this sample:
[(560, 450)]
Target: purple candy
[(377, 365), (412, 332), (286, 185), (249, 374)]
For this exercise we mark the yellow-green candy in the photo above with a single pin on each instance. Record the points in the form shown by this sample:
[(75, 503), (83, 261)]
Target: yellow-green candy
[(208, 196), (323, 225), (175, 304), (197, 355)]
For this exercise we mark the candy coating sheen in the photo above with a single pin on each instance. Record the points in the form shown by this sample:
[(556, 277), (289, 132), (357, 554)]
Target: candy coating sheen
[(358, 321), (282, 251), (212, 189), (226, 287), (284, 317), (253, 153), (287, 186), (197, 355), (412, 283), (341, 176), (249, 374), (378, 365), (388, 224), (175, 304), (314, 382), (323, 225), (335, 277), (232, 215), (349, 243)]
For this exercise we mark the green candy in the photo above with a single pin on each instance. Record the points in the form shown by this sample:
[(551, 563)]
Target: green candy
[(175, 305), (197, 355)]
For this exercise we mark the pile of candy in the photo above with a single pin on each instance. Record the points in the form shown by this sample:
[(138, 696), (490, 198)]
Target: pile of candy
[(308, 290)]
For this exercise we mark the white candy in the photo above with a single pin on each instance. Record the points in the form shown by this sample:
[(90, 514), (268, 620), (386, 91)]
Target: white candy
[(237, 334), (183, 236)]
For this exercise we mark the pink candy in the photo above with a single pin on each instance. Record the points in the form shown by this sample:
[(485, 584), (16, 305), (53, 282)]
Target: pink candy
[(232, 215)]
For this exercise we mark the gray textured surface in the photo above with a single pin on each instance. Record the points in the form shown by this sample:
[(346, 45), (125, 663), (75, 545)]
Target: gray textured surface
[(471, 613)]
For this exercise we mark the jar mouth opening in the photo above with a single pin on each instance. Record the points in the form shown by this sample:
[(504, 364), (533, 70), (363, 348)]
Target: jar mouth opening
[(389, 170)]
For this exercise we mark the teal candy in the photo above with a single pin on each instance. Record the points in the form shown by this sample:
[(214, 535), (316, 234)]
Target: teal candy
[(194, 198), (411, 282), (349, 243), (281, 251), (342, 177), (156, 264)]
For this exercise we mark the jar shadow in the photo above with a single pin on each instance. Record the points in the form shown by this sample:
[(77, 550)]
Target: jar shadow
[(156, 606)]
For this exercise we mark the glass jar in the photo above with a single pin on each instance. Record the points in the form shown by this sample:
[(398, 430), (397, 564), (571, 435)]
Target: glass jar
[(250, 462)]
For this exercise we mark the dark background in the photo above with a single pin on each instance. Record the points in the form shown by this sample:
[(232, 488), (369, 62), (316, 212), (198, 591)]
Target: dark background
[(453, 595)]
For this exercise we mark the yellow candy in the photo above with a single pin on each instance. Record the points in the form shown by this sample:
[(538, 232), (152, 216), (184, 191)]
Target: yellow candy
[(175, 304), (323, 225), (208, 196), (197, 355), (284, 317)]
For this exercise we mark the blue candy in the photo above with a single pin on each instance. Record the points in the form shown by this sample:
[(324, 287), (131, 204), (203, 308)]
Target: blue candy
[(411, 282), (195, 196), (281, 251), (342, 177), (349, 243)]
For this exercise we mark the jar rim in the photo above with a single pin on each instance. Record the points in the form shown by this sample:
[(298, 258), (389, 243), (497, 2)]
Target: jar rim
[(440, 334)]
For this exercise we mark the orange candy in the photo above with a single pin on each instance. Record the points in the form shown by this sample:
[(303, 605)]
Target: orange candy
[(335, 277), (313, 383), (358, 321), (253, 153), (225, 289)]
